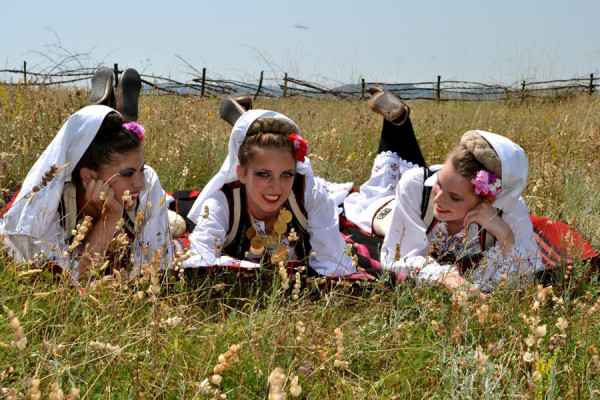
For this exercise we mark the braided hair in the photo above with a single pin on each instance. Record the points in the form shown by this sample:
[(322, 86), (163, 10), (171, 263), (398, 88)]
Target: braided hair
[(474, 154), (266, 132)]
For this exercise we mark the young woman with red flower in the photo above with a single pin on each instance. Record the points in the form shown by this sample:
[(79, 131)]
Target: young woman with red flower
[(265, 205)]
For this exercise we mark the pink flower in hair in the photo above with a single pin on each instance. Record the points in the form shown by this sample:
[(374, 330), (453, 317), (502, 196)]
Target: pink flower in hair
[(135, 128), (487, 184)]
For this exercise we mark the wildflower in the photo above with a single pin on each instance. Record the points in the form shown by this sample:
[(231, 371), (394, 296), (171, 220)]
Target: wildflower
[(338, 362), (296, 289), (127, 200), (19, 340), (34, 390), (293, 236), (300, 328), (276, 381), (205, 214), (480, 359), (540, 331), (562, 324), (55, 392), (282, 271), (295, 389), (80, 232), (527, 357), (482, 313)]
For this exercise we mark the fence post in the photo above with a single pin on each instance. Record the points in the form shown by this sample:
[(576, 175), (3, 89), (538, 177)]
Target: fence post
[(522, 91), (259, 84), (25, 72), (203, 81), (591, 83), (285, 86), (438, 91), (116, 73), (363, 92)]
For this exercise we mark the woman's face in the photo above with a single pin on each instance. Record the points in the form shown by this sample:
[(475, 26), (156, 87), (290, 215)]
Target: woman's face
[(454, 195), (268, 179), (125, 173)]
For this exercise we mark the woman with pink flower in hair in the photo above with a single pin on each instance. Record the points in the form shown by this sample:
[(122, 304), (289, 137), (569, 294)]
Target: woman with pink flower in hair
[(90, 198), (265, 205), (466, 217)]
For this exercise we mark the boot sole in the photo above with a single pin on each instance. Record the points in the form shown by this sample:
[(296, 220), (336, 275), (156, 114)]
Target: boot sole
[(128, 94), (102, 85)]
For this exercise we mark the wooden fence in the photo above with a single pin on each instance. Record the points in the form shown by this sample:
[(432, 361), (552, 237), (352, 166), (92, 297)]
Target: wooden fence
[(200, 84)]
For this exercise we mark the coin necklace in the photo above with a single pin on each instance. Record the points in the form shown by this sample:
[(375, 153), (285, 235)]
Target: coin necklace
[(258, 243)]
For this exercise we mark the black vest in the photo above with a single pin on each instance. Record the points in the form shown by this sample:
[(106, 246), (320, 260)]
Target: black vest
[(236, 242)]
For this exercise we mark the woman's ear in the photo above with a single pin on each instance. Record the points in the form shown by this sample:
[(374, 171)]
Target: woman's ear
[(241, 173), (87, 175)]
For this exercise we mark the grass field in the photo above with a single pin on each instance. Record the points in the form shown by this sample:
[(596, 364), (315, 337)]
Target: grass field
[(342, 342)]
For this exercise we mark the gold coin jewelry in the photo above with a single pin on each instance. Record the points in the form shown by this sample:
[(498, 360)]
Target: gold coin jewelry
[(280, 227), (256, 246), (258, 242), (285, 216)]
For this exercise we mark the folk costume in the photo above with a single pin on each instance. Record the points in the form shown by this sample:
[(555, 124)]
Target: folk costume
[(39, 224), (396, 202), (222, 218)]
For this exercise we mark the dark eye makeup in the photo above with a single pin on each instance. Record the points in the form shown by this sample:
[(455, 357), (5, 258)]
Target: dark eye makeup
[(129, 172)]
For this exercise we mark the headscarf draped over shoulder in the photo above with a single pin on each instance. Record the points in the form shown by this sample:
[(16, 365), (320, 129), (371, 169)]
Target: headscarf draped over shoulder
[(33, 212)]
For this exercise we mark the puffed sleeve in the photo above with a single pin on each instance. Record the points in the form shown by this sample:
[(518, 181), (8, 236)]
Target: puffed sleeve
[(408, 230), (323, 226)]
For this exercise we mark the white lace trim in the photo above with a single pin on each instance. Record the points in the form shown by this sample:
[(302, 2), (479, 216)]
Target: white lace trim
[(387, 155)]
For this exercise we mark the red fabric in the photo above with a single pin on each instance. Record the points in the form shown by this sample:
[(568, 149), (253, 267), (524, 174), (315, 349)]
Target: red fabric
[(560, 244)]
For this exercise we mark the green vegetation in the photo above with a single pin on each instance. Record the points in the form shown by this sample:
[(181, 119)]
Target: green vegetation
[(342, 341)]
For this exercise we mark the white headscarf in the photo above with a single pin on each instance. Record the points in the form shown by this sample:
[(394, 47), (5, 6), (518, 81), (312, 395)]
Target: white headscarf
[(33, 216), (514, 169), (228, 173)]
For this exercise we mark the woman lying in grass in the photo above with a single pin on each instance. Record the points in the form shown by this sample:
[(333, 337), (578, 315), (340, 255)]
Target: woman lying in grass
[(468, 214), (265, 205), (90, 201)]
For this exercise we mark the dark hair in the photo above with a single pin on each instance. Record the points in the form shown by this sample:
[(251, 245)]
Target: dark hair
[(267, 132), (110, 142)]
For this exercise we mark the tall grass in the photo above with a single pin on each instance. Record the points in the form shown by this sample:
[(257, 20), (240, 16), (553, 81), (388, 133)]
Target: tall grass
[(358, 341)]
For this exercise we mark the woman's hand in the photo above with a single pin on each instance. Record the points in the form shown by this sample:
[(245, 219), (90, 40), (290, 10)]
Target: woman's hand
[(483, 214), (101, 196), (454, 281), (487, 216)]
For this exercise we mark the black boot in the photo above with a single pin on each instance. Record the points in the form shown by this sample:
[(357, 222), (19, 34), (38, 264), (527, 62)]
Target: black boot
[(234, 106)]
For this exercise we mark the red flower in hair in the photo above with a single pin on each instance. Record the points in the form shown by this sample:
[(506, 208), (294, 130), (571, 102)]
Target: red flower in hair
[(300, 146)]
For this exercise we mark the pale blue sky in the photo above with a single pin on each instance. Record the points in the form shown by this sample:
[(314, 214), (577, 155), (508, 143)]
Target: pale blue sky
[(341, 41)]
